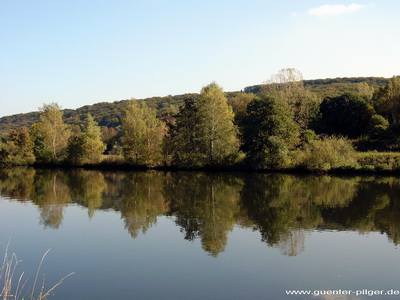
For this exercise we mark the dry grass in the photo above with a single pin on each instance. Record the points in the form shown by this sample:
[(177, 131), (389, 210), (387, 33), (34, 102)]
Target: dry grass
[(11, 290), (379, 160)]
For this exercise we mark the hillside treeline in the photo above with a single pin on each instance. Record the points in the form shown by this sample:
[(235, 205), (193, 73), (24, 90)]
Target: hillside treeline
[(285, 125), (109, 114)]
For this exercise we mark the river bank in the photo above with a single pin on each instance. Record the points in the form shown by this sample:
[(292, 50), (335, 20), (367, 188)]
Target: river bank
[(366, 163)]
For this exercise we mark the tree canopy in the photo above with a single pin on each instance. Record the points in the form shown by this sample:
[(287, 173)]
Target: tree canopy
[(269, 131)]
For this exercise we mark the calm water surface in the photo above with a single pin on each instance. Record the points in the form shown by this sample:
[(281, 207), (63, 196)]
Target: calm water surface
[(183, 235)]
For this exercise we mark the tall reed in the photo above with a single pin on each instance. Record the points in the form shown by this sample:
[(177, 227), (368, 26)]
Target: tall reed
[(12, 286)]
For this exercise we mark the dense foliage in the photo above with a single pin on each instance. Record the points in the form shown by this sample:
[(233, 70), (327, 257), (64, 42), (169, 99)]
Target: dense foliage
[(142, 135), (110, 114), (284, 125), (269, 131), (346, 115)]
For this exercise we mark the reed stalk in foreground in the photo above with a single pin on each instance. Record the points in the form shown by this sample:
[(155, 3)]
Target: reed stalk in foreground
[(10, 291)]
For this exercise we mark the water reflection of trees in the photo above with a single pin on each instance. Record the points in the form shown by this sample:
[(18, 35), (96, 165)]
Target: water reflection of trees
[(17, 183), (86, 189), (206, 206), (142, 201), (51, 194), (282, 207)]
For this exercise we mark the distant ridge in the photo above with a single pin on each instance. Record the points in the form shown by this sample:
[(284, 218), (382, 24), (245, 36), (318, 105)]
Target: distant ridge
[(109, 113)]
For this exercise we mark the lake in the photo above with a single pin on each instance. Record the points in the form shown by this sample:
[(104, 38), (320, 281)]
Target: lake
[(195, 235)]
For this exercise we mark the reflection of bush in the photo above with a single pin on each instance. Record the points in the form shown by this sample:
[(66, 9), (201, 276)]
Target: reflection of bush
[(17, 183), (326, 191)]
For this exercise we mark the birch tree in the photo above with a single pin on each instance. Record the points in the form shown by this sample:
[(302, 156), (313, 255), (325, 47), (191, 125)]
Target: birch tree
[(218, 135), (51, 133), (288, 86), (93, 145), (142, 136)]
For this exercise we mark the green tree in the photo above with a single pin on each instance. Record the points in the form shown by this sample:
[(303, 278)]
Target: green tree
[(377, 126), (41, 150), (50, 134), (387, 100), (348, 115), (143, 135), (269, 132), (183, 142), (239, 103), (93, 146), (16, 148), (288, 86), (364, 89), (218, 135), (76, 149)]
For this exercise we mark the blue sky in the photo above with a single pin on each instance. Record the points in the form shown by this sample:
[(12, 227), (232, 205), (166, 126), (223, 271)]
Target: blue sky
[(80, 52)]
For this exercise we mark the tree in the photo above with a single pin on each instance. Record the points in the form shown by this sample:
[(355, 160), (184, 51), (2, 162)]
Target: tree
[(217, 133), (76, 149), (143, 134), (183, 142), (269, 132), (93, 145), (348, 115), (387, 100), (239, 103), (50, 134), (287, 86), (16, 148), (364, 89), (377, 126)]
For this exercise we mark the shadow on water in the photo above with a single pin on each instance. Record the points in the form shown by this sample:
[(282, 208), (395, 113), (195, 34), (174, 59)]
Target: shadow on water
[(207, 206)]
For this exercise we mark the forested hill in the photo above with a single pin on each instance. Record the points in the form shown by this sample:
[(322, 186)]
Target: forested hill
[(109, 113), (331, 86), (105, 113)]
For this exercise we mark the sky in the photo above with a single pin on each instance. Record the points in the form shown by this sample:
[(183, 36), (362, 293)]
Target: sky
[(80, 52)]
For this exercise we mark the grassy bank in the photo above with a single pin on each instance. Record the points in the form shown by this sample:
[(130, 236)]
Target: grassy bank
[(379, 161), (364, 162)]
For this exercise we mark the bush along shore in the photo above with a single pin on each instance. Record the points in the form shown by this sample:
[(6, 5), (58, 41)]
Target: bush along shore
[(285, 127), (365, 163)]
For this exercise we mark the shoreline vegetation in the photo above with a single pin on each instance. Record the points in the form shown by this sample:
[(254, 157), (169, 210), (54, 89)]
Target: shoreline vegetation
[(282, 126), (379, 163)]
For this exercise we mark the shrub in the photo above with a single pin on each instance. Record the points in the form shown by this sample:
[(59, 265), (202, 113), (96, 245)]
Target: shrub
[(328, 153)]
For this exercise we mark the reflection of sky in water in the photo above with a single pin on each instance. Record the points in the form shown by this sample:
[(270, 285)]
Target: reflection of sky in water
[(161, 264), (147, 236)]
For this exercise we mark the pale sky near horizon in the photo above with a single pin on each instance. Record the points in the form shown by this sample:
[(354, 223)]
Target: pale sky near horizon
[(80, 52)]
